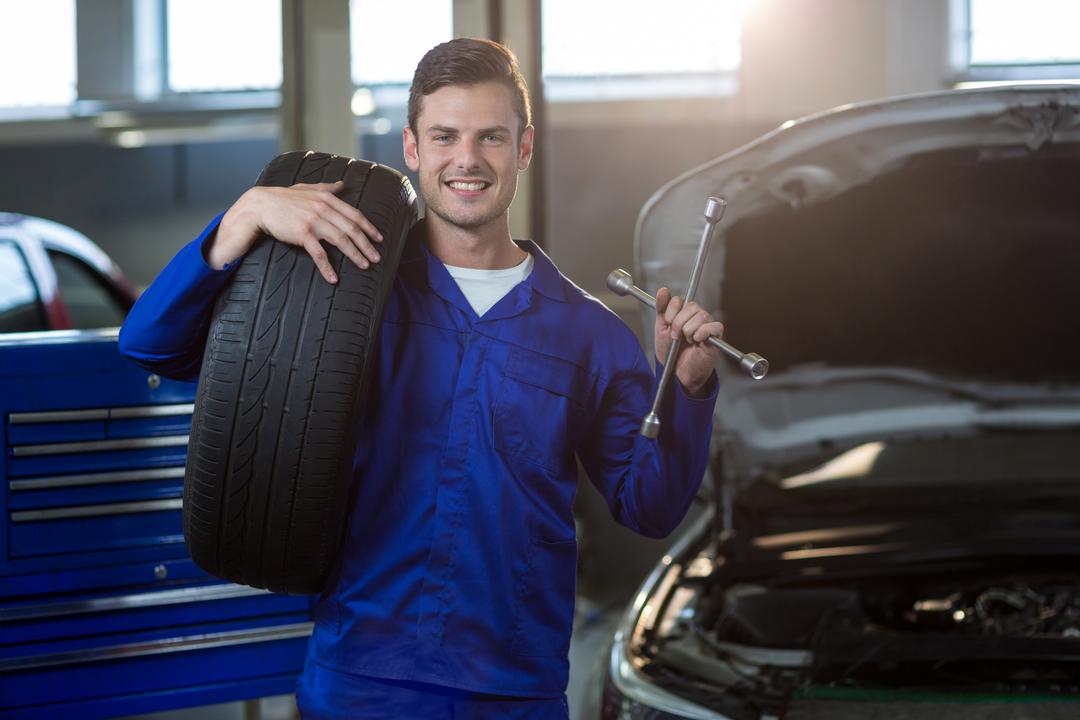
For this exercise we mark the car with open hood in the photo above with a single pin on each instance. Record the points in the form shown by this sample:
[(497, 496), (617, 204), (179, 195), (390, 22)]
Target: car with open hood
[(894, 522)]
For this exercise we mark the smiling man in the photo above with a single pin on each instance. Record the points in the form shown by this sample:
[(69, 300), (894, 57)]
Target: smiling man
[(468, 175), (454, 593)]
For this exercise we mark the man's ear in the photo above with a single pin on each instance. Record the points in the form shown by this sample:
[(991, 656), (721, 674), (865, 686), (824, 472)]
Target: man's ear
[(525, 148), (408, 146)]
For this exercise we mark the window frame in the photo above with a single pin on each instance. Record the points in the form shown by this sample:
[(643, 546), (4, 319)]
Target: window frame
[(656, 85), (159, 21), (48, 110), (121, 92), (962, 71)]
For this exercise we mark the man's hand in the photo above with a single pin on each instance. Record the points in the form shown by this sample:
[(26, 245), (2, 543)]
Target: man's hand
[(300, 215), (697, 358)]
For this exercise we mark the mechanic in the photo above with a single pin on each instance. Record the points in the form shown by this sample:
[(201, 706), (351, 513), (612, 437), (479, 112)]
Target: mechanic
[(454, 594)]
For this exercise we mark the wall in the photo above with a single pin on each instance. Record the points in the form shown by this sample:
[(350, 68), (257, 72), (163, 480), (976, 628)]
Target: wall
[(799, 57), (140, 205)]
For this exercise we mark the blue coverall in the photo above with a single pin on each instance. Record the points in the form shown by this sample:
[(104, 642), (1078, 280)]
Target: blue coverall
[(458, 569)]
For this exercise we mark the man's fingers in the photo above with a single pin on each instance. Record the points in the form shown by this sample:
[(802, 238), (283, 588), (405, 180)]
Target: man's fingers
[(688, 320), (326, 230), (693, 324), (676, 318), (342, 241), (684, 313), (367, 249), (356, 217), (663, 296), (356, 238), (709, 329), (672, 309), (322, 261), (700, 327), (327, 194)]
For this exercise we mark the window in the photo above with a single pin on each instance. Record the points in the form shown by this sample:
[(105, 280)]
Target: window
[(640, 48), (221, 46), (37, 55), (20, 307), (1006, 40), (89, 303), (387, 41)]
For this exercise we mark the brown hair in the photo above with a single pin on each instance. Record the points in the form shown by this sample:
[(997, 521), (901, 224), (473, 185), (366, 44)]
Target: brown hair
[(469, 61)]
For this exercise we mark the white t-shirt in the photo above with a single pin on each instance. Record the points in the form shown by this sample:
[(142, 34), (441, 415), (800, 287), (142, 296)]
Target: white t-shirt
[(484, 288)]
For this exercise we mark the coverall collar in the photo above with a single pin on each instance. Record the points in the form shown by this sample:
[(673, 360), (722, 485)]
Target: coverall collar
[(544, 278)]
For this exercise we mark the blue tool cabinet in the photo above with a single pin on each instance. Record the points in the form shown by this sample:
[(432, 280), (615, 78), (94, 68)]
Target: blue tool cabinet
[(102, 612)]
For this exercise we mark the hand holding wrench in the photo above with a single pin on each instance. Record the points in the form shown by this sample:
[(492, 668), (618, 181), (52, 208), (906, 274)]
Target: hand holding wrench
[(714, 210), (621, 283)]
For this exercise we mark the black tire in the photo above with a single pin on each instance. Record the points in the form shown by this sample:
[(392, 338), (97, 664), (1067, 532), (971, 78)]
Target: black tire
[(284, 377)]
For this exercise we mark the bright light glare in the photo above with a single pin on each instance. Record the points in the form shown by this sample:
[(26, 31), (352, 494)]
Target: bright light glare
[(131, 138), (1042, 32), (37, 54), (218, 46), (857, 462), (641, 37), (363, 102), (388, 42)]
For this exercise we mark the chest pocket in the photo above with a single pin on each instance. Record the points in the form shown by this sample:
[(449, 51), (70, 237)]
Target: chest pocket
[(541, 412)]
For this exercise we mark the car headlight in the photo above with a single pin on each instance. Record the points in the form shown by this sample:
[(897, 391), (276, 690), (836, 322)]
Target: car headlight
[(631, 695), (616, 706)]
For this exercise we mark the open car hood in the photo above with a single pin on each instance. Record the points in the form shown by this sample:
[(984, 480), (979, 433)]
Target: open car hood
[(909, 267)]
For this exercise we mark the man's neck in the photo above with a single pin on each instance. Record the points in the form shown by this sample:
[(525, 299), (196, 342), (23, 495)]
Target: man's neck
[(489, 247)]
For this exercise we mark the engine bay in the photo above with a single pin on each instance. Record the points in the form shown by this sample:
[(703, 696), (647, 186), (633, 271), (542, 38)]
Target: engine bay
[(1007, 606), (973, 634)]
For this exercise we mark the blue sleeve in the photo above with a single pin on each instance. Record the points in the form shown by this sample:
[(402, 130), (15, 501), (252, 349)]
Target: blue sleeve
[(165, 332), (649, 484)]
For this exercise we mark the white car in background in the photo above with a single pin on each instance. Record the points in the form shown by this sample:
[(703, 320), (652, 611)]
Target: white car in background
[(55, 278), (895, 520)]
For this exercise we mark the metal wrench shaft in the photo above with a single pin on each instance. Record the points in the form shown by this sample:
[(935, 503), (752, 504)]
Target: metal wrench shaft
[(714, 210), (622, 283)]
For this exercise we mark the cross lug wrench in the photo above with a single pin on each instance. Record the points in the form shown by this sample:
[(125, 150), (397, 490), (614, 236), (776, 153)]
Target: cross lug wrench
[(620, 282)]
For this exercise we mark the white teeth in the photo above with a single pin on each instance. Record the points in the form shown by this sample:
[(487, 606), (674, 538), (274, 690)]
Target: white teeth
[(470, 186)]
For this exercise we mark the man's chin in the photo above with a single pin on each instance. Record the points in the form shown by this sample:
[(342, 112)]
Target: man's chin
[(465, 221)]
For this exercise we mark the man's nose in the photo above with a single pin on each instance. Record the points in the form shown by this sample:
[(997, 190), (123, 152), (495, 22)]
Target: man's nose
[(468, 154)]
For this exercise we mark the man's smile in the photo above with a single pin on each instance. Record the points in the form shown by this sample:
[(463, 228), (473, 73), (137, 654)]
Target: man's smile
[(467, 187)]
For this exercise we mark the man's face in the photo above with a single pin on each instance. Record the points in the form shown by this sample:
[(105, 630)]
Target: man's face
[(467, 152)]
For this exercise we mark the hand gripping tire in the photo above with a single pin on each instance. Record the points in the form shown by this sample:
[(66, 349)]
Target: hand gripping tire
[(284, 377)]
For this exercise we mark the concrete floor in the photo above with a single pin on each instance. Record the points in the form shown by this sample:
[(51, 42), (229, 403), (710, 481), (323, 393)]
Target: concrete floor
[(593, 628)]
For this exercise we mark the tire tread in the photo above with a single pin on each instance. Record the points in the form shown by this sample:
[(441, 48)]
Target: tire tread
[(284, 377)]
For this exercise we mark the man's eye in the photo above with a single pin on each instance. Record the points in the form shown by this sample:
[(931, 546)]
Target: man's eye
[(492, 138), (441, 138)]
